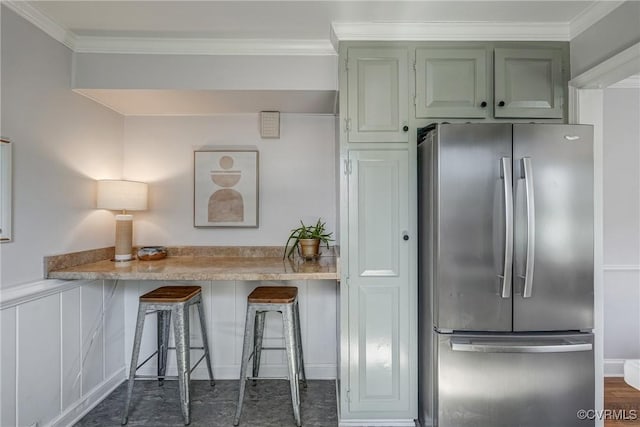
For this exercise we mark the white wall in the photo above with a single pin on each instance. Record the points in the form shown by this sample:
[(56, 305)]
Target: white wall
[(61, 342), (61, 142), (206, 72), (297, 175), (621, 226)]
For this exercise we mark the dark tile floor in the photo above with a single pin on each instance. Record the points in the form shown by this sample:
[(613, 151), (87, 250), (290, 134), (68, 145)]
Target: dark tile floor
[(268, 404)]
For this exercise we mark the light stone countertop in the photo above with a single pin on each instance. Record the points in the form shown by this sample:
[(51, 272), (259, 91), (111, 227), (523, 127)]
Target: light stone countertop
[(202, 268)]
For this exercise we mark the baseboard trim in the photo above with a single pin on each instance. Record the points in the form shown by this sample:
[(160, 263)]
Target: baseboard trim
[(614, 367), (377, 423), (78, 410)]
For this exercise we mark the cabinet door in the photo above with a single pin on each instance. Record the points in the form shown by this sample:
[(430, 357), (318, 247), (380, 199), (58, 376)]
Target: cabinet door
[(528, 83), (377, 95), (452, 83), (378, 280)]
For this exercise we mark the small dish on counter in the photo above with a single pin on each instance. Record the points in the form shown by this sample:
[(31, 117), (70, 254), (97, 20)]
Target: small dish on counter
[(151, 253)]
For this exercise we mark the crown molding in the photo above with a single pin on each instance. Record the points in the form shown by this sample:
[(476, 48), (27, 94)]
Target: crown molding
[(448, 31), (363, 31), (40, 20), (202, 46), (175, 46), (632, 82), (610, 71), (591, 15)]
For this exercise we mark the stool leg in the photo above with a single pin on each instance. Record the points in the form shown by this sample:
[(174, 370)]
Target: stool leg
[(142, 311), (303, 376), (181, 335), (258, 333), (205, 342), (246, 355), (292, 358), (164, 325)]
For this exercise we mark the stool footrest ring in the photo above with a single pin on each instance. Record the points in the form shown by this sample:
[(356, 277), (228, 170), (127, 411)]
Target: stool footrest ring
[(267, 378)]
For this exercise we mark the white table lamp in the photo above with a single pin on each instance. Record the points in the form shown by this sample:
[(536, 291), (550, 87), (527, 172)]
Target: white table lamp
[(123, 196)]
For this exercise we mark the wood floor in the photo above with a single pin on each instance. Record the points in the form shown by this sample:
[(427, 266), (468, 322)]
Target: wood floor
[(619, 396)]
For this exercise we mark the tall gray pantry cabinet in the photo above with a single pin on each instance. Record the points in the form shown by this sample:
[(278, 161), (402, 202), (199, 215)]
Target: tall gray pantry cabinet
[(378, 293), (387, 91)]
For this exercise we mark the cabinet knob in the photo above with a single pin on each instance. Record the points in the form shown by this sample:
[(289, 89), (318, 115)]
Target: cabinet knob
[(483, 104), (405, 236), (405, 128), (501, 104)]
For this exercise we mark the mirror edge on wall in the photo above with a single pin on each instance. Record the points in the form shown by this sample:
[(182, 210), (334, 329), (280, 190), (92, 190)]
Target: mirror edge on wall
[(5, 190)]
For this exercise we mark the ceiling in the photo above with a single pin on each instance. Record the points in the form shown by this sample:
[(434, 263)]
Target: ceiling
[(286, 27)]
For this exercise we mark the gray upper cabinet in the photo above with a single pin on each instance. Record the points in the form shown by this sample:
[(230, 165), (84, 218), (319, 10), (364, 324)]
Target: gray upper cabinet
[(453, 82), (378, 95), (487, 80), (528, 83)]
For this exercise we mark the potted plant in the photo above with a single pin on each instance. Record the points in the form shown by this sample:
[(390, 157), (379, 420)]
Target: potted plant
[(307, 239)]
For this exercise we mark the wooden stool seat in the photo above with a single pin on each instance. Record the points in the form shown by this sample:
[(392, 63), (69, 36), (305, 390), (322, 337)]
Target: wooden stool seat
[(169, 294), (273, 295)]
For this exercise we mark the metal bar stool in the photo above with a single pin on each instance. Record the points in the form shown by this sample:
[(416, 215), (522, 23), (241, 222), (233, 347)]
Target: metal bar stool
[(168, 302), (283, 299)]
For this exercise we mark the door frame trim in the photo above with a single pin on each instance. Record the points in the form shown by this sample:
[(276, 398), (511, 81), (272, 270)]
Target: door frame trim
[(586, 106)]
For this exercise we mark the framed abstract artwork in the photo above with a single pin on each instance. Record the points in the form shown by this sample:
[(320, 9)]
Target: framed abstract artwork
[(225, 188)]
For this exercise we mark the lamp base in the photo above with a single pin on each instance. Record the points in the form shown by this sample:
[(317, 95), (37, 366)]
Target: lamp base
[(124, 237)]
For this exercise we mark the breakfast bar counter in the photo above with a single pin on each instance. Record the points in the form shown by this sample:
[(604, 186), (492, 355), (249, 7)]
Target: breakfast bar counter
[(195, 263), (226, 275)]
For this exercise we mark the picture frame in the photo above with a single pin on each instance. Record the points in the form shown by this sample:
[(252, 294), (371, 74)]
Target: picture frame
[(226, 187), (6, 208)]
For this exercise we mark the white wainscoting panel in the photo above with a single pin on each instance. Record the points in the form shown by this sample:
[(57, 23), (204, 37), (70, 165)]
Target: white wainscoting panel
[(92, 335), (320, 325), (8, 367), (225, 311), (222, 326), (56, 362), (113, 328), (621, 312), (621, 317), (71, 389), (38, 380)]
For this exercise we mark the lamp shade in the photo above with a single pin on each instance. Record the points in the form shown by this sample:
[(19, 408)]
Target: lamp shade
[(122, 195)]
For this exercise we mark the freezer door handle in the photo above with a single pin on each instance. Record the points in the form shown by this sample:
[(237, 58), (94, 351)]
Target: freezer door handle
[(503, 347), (527, 169), (508, 232)]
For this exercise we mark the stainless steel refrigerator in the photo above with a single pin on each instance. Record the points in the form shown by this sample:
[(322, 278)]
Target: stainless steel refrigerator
[(505, 275)]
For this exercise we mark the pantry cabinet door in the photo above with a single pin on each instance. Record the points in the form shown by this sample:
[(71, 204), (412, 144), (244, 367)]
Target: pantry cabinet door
[(379, 285), (378, 94)]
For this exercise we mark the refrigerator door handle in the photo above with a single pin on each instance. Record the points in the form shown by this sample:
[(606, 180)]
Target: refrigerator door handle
[(493, 347), (527, 169), (508, 234)]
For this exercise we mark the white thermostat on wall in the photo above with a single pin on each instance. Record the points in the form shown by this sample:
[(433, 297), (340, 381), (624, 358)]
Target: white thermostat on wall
[(270, 124)]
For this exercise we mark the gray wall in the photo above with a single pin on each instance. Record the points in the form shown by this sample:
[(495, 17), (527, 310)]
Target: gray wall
[(616, 32), (62, 142), (622, 223)]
